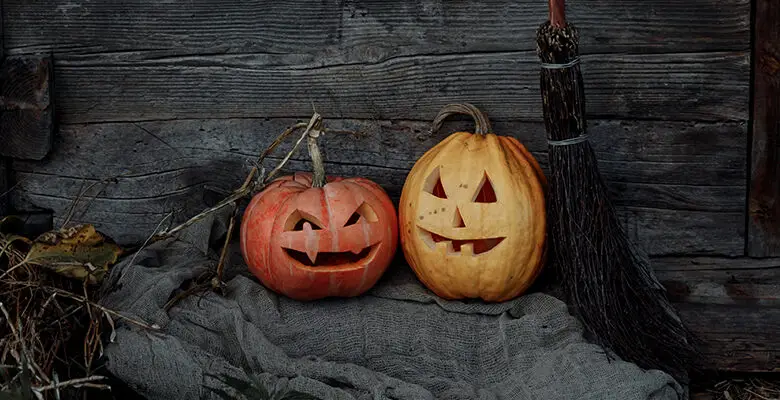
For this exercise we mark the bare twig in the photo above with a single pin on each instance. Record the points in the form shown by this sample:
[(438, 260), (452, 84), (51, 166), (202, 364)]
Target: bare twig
[(82, 194), (65, 293), (15, 267), (181, 296), (225, 246), (16, 331), (250, 183), (147, 241), (255, 181), (72, 382), (314, 122)]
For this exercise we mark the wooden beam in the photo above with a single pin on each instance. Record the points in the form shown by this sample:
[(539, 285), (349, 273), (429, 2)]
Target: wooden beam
[(764, 221)]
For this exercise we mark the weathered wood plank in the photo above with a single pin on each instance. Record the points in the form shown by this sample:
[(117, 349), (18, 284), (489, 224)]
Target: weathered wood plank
[(662, 172), (26, 112), (733, 304), (737, 338), (724, 281), (361, 30), (764, 223), (109, 87)]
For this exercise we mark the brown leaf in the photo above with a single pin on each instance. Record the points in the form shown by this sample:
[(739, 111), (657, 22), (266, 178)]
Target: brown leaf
[(78, 252)]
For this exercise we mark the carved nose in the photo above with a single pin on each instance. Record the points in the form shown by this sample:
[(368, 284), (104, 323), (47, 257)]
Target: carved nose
[(457, 221)]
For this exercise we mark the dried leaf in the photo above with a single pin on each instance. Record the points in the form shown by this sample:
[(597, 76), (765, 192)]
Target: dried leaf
[(78, 252)]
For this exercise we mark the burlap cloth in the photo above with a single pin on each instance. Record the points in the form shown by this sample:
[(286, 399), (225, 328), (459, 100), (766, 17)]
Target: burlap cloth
[(397, 342)]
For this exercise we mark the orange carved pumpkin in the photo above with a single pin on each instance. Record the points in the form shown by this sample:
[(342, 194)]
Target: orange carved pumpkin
[(472, 214), (310, 236)]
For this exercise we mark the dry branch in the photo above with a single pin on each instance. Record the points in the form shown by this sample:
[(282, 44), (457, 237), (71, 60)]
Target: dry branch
[(252, 183), (45, 318), (255, 182)]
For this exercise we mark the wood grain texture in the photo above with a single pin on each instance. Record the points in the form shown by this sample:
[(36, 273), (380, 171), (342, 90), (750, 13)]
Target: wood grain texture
[(737, 338), (366, 30), (733, 304), (26, 112), (116, 87), (148, 60), (662, 173), (764, 221), (723, 281)]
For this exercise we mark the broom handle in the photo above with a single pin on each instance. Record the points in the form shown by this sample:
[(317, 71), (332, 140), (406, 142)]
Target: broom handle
[(558, 13)]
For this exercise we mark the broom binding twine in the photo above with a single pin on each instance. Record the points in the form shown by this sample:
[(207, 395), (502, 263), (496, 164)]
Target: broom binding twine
[(568, 142), (561, 66)]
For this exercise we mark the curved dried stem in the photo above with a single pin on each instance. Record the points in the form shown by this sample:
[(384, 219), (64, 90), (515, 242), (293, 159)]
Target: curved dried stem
[(318, 179), (481, 121)]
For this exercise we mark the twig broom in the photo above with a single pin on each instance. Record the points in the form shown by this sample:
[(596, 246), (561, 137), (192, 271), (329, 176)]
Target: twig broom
[(604, 276)]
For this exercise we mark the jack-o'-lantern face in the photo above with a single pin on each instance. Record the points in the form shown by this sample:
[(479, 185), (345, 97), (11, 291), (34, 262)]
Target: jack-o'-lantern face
[(309, 240), (309, 243), (441, 224), (472, 217)]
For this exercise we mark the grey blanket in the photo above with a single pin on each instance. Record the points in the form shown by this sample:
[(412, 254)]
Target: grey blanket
[(397, 342)]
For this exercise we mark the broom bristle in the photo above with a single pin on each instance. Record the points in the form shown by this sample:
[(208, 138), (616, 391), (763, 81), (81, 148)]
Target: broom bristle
[(605, 277)]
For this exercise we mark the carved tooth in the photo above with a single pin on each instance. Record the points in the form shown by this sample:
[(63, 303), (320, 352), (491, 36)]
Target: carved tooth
[(312, 253), (444, 247), (356, 250), (467, 249)]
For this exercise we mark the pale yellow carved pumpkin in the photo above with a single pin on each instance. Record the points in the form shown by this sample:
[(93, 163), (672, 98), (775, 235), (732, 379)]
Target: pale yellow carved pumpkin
[(472, 214)]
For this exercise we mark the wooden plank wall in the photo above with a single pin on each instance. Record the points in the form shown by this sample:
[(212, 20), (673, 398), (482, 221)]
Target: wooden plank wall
[(764, 223), (157, 101)]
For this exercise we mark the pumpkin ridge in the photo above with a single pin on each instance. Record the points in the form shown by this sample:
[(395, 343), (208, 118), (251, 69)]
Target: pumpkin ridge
[(385, 213), (533, 262), (526, 154)]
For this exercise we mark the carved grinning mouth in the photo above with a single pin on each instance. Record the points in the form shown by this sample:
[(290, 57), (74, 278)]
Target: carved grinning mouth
[(329, 259), (478, 246)]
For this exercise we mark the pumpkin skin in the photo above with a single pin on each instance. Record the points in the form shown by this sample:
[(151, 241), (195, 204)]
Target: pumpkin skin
[(309, 243), (472, 215)]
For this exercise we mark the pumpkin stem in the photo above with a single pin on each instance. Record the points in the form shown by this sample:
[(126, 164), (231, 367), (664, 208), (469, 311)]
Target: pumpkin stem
[(480, 119), (318, 179)]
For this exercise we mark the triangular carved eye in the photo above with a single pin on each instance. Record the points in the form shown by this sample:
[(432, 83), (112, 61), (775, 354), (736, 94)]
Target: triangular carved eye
[(364, 211), (353, 219), (298, 219), (485, 193), (434, 186)]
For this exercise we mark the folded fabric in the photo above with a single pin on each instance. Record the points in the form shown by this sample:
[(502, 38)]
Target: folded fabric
[(399, 341)]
